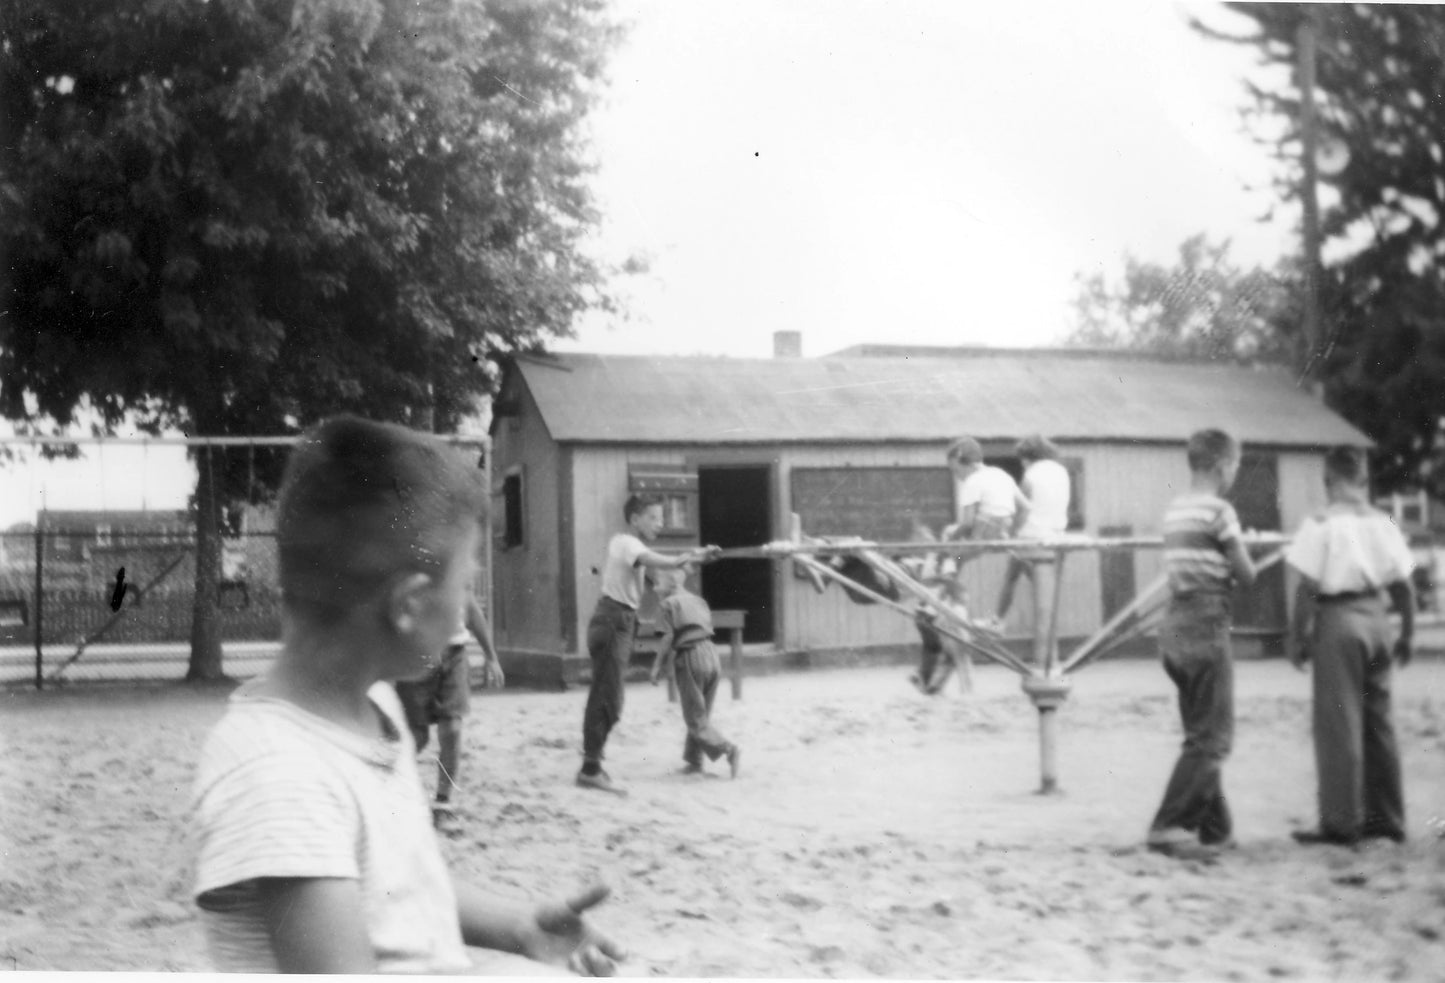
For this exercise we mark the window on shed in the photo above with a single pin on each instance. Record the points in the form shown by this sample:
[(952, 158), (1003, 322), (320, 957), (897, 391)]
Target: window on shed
[(513, 524)]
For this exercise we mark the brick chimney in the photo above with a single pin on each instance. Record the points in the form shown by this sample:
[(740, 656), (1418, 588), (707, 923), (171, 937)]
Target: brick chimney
[(787, 344)]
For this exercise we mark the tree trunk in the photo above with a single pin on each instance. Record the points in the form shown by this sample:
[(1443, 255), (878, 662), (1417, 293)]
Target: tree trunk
[(205, 664)]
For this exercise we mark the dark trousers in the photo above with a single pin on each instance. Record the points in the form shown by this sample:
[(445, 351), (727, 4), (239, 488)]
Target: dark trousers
[(610, 634), (1194, 646), (698, 674), (1356, 757)]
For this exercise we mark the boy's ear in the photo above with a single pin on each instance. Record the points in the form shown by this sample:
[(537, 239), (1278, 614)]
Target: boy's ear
[(405, 602)]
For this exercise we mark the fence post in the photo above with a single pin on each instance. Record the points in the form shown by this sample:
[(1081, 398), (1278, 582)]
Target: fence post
[(39, 606)]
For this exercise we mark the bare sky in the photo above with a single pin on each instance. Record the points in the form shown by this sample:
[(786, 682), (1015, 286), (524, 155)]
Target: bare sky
[(914, 171), (923, 171)]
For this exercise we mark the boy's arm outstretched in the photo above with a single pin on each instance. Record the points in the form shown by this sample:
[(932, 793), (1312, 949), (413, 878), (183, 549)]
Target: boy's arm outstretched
[(554, 933)]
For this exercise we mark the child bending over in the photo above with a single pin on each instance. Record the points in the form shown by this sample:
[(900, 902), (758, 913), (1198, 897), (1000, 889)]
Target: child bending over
[(687, 651)]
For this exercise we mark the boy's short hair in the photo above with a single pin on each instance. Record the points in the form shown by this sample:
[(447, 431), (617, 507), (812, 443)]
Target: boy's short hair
[(639, 503), (1347, 464), (965, 450), (1037, 448), (361, 501), (1208, 448)]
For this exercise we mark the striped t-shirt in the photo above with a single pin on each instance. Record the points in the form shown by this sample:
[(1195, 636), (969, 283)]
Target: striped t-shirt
[(281, 792), (1198, 528)]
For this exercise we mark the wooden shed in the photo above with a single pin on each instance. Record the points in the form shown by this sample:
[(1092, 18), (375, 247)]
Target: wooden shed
[(854, 444)]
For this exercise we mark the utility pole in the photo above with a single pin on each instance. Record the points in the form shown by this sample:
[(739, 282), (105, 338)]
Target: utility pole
[(1307, 43)]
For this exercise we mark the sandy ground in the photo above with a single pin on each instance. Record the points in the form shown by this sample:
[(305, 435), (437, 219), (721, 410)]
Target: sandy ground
[(873, 832)]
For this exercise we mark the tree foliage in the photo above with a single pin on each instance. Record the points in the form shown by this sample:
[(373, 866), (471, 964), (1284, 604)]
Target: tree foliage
[(240, 216), (1380, 89), (1203, 306)]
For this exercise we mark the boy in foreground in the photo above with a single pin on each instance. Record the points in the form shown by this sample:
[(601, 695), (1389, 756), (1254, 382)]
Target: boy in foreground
[(315, 846), (1348, 557), (687, 652), (1204, 556), (613, 628)]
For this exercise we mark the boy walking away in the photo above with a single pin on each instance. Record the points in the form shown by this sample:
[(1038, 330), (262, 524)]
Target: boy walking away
[(1346, 558), (613, 628), (316, 852), (1045, 514), (687, 652), (443, 697), (1204, 557)]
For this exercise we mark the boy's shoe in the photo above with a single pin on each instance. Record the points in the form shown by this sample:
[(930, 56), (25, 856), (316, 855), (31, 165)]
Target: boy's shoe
[(992, 625), (692, 768), (1321, 837), (600, 781), (1170, 840), (442, 814), (735, 757)]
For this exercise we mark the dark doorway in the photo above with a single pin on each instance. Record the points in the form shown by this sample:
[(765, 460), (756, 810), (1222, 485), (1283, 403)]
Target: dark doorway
[(1255, 497), (733, 506)]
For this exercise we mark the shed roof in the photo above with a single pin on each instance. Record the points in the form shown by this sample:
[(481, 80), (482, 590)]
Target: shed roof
[(1002, 394)]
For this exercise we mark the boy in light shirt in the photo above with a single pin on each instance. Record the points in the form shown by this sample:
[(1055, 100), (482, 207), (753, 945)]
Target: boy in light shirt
[(315, 847), (613, 628), (1046, 490), (1348, 557)]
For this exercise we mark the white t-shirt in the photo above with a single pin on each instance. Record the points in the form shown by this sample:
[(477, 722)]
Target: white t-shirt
[(1046, 486), (1350, 548), (281, 792), (992, 490), (622, 576)]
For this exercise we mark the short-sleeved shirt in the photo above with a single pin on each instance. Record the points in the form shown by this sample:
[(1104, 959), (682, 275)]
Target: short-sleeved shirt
[(281, 792), (1198, 528), (1046, 486), (993, 491), (687, 616), (622, 576), (1350, 548)]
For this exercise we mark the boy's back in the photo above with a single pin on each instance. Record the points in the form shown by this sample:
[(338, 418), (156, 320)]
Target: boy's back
[(1198, 526)]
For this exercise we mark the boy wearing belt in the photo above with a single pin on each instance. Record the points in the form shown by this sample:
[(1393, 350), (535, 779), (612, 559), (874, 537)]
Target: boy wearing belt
[(1348, 557)]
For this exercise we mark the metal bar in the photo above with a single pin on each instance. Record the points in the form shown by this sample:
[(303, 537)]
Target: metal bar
[(999, 655), (1156, 586), (957, 549), (1051, 654), (39, 608)]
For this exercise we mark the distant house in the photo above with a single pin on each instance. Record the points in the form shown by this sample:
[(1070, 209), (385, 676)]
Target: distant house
[(854, 445)]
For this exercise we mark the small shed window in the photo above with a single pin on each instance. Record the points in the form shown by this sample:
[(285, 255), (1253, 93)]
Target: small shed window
[(513, 524)]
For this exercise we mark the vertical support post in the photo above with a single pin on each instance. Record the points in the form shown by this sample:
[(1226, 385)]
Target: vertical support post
[(39, 606), (1045, 687), (736, 637)]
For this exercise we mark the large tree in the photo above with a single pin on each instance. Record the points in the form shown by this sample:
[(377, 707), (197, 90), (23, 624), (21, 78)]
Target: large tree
[(1202, 306), (239, 216), (1380, 90)]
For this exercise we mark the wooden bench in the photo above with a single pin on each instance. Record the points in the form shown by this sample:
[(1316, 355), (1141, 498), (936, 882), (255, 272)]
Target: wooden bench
[(729, 621)]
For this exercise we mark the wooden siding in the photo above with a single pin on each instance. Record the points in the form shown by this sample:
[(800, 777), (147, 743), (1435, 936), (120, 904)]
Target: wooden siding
[(527, 598), (1124, 485)]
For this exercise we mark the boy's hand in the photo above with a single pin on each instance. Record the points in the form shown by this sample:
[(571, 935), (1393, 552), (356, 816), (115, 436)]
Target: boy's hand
[(560, 937), (492, 675), (1404, 651)]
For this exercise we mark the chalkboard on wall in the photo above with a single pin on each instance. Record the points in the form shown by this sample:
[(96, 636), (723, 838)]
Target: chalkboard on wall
[(876, 503)]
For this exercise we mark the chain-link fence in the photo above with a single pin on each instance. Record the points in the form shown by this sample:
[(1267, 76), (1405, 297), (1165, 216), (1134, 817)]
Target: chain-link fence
[(102, 603)]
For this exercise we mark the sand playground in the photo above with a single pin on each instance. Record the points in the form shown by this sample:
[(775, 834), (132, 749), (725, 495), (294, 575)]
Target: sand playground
[(873, 832)]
